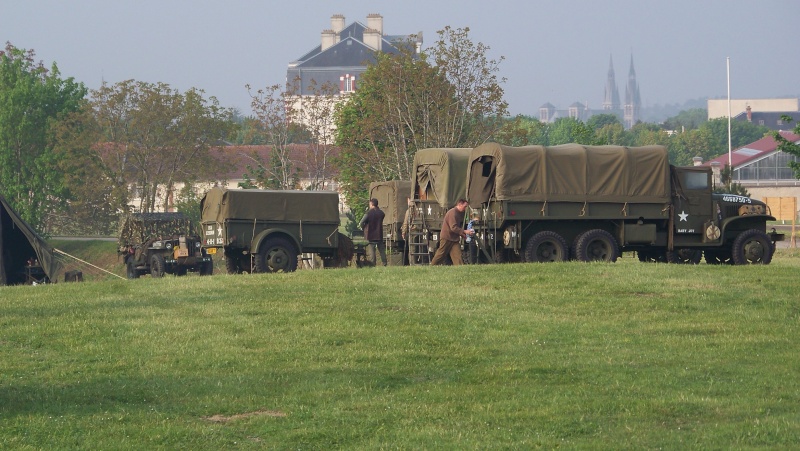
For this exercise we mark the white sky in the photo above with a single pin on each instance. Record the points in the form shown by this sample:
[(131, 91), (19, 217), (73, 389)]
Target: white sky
[(556, 51)]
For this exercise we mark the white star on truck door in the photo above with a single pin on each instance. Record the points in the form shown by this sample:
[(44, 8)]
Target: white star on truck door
[(683, 216)]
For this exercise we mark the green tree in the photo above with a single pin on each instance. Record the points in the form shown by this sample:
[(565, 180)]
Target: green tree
[(448, 97), (156, 137), (742, 133), (569, 130), (599, 121), (789, 147), (728, 186), (687, 120), (521, 131), (611, 134), (32, 101)]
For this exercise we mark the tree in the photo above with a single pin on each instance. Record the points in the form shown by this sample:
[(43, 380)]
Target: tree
[(276, 113), (569, 130), (316, 115), (156, 137), (599, 121), (687, 120), (32, 101), (521, 131), (448, 97), (742, 133), (474, 77), (789, 147), (728, 186)]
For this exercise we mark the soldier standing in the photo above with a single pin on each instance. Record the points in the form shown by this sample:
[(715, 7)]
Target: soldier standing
[(451, 234), (372, 225)]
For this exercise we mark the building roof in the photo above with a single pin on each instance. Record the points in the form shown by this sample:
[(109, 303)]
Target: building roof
[(770, 119), (753, 151), (300, 156)]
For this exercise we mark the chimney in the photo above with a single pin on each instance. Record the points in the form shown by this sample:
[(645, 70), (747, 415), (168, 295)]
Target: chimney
[(372, 38), (337, 23), (749, 114), (697, 161), (329, 39), (375, 21)]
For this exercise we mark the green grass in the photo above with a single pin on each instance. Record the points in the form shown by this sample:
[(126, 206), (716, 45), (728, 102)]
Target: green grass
[(579, 356)]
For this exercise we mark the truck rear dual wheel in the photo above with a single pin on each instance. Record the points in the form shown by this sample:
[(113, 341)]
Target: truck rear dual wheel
[(752, 247), (276, 255), (546, 247), (684, 256), (596, 245), (718, 257)]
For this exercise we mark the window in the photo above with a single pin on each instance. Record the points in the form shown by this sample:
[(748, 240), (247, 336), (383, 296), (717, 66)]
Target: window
[(695, 180), (347, 83)]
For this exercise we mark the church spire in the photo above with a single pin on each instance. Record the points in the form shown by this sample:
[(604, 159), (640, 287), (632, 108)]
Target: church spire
[(633, 102), (611, 100)]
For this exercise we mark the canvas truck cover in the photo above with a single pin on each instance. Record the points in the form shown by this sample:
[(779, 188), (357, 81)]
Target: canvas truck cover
[(220, 204), (137, 228), (443, 173), (569, 173), (18, 243), (392, 198)]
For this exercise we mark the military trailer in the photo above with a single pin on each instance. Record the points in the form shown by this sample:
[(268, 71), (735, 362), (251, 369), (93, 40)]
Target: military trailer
[(393, 201), (544, 204), (439, 181), (161, 243), (262, 231)]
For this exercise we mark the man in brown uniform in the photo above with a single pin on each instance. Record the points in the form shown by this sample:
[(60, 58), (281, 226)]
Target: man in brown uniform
[(451, 234), (372, 225)]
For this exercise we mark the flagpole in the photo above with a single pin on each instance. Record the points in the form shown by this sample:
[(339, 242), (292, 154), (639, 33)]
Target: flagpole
[(730, 147)]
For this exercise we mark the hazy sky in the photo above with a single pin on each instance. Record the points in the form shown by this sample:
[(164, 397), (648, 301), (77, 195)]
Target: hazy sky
[(555, 51)]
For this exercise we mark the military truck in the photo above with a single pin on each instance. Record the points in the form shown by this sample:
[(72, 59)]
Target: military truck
[(262, 231), (393, 201), (545, 204), (161, 243), (439, 181)]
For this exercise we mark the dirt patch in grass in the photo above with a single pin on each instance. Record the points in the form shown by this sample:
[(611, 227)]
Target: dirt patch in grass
[(239, 416)]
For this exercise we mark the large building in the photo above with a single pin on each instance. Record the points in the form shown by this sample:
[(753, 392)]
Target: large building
[(719, 107), (343, 53), (628, 112)]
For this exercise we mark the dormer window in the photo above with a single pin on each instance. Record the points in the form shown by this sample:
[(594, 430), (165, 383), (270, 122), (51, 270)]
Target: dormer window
[(347, 83)]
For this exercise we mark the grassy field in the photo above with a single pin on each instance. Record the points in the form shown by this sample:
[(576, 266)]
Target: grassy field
[(572, 355)]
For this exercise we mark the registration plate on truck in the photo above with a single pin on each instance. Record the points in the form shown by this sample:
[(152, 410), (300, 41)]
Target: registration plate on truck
[(211, 250)]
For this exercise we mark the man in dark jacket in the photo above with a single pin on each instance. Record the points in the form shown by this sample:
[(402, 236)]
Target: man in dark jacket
[(372, 225), (451, 234)]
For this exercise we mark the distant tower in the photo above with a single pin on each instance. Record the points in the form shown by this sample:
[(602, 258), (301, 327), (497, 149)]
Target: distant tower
[(611, 102), (633, 103)]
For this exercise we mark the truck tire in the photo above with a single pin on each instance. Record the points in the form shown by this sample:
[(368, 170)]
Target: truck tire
[(546, 247), (752, 247), (131, 270), (276, 255), (237, 263), (652, 256), (718, 257), (596, 245), (157, 266), (206, 268), (684, 256)]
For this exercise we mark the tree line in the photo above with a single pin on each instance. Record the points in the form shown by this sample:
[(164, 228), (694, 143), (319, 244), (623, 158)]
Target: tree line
[(73, 159)]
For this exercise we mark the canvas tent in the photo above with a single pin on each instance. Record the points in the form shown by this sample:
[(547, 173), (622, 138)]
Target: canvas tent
[(569, 173), (19, 245), (441, 175)]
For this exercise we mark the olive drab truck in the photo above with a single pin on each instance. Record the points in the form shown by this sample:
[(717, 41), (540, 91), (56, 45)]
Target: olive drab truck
[(545, 204), (439, 180), (260, 231), (393, 201)]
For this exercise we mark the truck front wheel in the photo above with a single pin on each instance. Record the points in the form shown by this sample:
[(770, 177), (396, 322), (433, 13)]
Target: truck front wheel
[(752, 247), (157, 266), (276, 255), (596, 245), (545, 247)]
